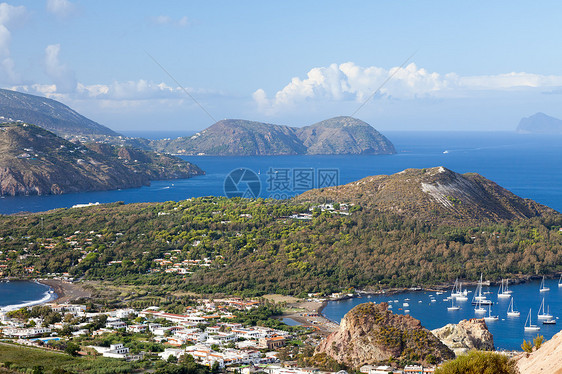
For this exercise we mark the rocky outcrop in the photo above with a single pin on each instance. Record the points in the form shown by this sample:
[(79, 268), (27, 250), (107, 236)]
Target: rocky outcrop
[(546, 359), (370, 333), (466, 335)]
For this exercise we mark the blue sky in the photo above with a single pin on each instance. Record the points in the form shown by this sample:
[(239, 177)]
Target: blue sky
[(477, 65)]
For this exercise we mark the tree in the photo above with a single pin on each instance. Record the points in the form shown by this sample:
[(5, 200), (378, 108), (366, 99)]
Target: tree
[(72, 349)]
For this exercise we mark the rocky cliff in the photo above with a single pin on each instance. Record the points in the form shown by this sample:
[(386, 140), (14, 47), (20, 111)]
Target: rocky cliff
[(466, 335), (34, 161), (236, 137), (546, 359), (370, 333)]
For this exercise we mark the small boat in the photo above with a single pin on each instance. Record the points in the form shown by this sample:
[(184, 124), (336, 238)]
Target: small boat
[(405, 304), (479, 308), (407, 311), (490, 317), (543, 287), (504, 291), (549, 322), (478, 297), (529, 326), (453, 306), (542, 314), (512, 312)]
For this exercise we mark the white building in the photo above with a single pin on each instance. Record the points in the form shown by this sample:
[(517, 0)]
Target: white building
[(114, 351), (24, 333)]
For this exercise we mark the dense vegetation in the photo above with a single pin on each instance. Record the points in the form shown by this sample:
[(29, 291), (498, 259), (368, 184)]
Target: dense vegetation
[(479, 363), (253, 247)]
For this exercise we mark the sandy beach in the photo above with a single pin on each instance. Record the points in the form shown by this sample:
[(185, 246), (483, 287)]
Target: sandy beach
[(66, 292), (309, 313)]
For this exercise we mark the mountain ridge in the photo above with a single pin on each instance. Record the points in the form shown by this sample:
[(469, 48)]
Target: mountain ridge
[(433, 193), (237, 137), (34, 161), (49, 114)]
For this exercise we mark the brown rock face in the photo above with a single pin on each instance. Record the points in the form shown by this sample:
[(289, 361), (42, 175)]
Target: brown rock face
[(370, 333), (466, 335)]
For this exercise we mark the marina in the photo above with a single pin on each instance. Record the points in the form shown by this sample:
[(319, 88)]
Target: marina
[(503, 317)]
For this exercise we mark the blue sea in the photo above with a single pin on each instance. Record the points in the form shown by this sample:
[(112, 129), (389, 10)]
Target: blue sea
[(528, 165), (19, 294), (508, 332)]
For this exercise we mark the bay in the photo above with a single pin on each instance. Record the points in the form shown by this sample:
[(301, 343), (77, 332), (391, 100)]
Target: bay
[(508, 332), (528, 165), (19, 294)]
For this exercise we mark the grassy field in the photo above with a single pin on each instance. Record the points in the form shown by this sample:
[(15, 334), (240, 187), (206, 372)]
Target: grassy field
[(23, 358)]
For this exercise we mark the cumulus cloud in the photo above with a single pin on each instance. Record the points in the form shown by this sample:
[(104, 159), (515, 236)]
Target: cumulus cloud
[(61, 8), (169, 21), (350, 82), (63, 77), (9, 16)]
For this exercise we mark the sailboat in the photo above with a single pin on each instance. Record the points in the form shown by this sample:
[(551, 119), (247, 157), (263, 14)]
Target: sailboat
[(512, 312), (529, 326), (490, 317), (478, 298), (504, 290), (560, 281), (542, 314), (543, 287), (479, 308), (455, 291), (453, 306)]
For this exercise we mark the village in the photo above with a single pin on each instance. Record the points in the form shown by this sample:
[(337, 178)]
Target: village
[(207, 332)]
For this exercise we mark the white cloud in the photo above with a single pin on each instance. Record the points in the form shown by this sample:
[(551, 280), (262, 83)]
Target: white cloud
[(350, 82), (9, 16), (169, 21), (121, 93), (61, 8), (61, 75)]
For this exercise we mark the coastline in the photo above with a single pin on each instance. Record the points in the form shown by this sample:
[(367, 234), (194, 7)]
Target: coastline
[(65, 291), (58, 291), (48, 296)]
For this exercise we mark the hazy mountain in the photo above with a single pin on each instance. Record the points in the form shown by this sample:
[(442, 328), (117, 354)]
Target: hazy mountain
[(540, 123), (48, 114), (235, 137), (36, 161), (435, 194)]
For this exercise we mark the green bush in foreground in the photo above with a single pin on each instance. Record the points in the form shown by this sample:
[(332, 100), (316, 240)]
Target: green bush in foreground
[(479, 363)]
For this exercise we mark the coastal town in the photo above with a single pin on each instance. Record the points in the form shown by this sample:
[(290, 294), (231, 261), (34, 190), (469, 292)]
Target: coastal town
[(206, 332)]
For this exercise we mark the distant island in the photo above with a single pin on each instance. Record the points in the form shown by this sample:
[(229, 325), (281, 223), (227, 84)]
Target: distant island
[(540, 123), (34, 161), (237, 137)]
